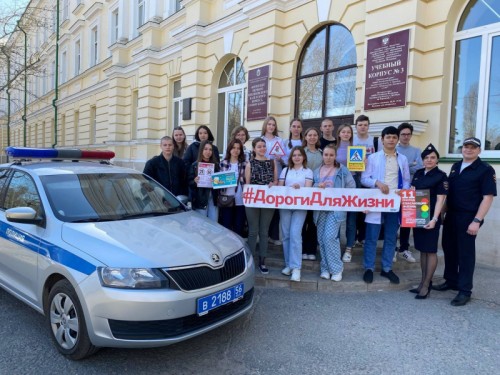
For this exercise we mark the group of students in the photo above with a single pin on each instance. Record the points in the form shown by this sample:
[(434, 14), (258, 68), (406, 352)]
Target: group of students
[(307, 158), (312, 158)]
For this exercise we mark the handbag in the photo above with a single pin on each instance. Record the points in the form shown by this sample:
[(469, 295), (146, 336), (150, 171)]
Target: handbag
[(224, 200)]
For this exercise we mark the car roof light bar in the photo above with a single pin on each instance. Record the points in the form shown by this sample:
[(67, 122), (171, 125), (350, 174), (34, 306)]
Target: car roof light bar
[(53, 153)]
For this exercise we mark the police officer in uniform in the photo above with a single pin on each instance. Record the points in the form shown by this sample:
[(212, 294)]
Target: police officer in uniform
[(472, 186)]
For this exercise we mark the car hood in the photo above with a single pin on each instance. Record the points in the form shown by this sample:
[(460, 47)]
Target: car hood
[(163, 241)]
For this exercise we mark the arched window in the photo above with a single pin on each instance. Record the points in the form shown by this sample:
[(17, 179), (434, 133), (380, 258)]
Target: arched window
[(326, 77), (231, 99), (475, 109)]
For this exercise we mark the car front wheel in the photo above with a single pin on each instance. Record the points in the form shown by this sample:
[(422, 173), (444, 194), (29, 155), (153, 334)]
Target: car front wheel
[(67, 322)]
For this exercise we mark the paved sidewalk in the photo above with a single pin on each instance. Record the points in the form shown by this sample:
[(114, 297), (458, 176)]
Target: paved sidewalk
[(291, 332)]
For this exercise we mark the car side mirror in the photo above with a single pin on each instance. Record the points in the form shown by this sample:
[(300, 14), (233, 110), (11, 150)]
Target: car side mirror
[(23, 215)]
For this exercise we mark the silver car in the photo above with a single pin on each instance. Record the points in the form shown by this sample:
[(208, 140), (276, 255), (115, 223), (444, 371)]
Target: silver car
[(112, 259)]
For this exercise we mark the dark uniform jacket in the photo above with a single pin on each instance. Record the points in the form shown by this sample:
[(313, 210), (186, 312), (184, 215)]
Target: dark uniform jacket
[(171, 174), (468, 188)]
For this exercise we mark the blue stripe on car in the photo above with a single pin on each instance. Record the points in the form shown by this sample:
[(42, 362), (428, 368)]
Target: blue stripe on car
[(46, 249)]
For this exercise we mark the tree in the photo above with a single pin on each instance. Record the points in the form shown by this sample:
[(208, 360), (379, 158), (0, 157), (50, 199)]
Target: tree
[(19, 44)]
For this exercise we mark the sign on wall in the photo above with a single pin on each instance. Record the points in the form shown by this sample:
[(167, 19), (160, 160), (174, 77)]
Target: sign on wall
[(258, 92), (387, 71)]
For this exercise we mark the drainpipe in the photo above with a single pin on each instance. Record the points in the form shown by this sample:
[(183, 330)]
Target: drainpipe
[(56, 83), (8, 95), (25, 80)]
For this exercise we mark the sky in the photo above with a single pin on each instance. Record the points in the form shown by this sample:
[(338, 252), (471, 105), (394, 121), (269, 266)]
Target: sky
[(9, 5)]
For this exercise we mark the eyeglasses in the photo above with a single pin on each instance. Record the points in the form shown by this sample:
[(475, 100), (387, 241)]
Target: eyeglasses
[(405, 134)]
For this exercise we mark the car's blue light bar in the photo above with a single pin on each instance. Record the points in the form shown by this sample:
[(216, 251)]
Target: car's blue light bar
[(53, 153)]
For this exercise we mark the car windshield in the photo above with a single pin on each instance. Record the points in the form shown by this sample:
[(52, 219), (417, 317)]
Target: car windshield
[(96, 197)]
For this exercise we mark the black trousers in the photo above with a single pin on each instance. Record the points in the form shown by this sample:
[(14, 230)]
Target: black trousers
[(360, 227), (404, 238), (309, 235), (274, 227), (459, 251)]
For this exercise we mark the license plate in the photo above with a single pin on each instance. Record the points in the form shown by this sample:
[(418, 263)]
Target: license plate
[(207, 303)]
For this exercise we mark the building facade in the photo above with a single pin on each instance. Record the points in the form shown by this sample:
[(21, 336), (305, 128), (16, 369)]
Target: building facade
[(130, 71)]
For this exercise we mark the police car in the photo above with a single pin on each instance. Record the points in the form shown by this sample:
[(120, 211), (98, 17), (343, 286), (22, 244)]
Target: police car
[(110, 257)]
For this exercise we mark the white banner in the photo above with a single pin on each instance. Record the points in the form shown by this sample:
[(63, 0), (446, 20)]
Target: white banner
[(328, 199)]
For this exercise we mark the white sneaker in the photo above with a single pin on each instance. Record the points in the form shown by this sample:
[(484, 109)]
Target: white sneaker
[(304, 257), (275, 242), (325, 275), (311, 257), (346, 258), (407, 255), (337, 276), (287, 271), (295, 275)]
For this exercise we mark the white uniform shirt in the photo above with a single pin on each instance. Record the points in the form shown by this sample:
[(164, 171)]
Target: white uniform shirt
[(296, 176)]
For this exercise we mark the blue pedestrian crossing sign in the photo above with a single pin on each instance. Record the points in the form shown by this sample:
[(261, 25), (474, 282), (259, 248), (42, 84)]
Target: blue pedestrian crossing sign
[(356, 158)]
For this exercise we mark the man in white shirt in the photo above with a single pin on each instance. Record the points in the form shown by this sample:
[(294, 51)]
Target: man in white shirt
[(386, 170)]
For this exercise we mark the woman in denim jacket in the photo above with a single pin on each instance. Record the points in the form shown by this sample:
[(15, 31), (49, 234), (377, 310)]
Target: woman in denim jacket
[(331, 174)]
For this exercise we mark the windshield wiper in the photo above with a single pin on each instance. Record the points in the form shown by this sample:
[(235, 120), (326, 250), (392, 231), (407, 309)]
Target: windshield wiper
[(90, 220), (143, 214)]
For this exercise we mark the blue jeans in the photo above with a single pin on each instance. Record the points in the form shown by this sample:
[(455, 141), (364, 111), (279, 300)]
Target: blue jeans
[(212, 211), (350, 229), (390, 221), (291, 228)]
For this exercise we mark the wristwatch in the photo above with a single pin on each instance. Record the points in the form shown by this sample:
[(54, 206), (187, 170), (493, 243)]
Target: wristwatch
[(435, 219), (476, 220)]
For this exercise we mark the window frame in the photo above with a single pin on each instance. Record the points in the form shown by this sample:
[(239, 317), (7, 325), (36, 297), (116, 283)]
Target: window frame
[(487, 33), (94, 45), (337, 120), (141, 14), (77, 67), (6, 188), (115, 24), (64, 66), (176, 99), (226, 91)]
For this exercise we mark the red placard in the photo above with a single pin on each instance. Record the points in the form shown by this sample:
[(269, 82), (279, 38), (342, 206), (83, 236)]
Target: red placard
[(415, 208)]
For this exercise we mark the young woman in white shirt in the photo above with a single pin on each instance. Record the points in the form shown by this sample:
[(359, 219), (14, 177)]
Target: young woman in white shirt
[(296, 175), (311, 145)]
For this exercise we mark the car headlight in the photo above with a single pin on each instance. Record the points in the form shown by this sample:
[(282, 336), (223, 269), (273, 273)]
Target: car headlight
[(132, 278), (248, 254)]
